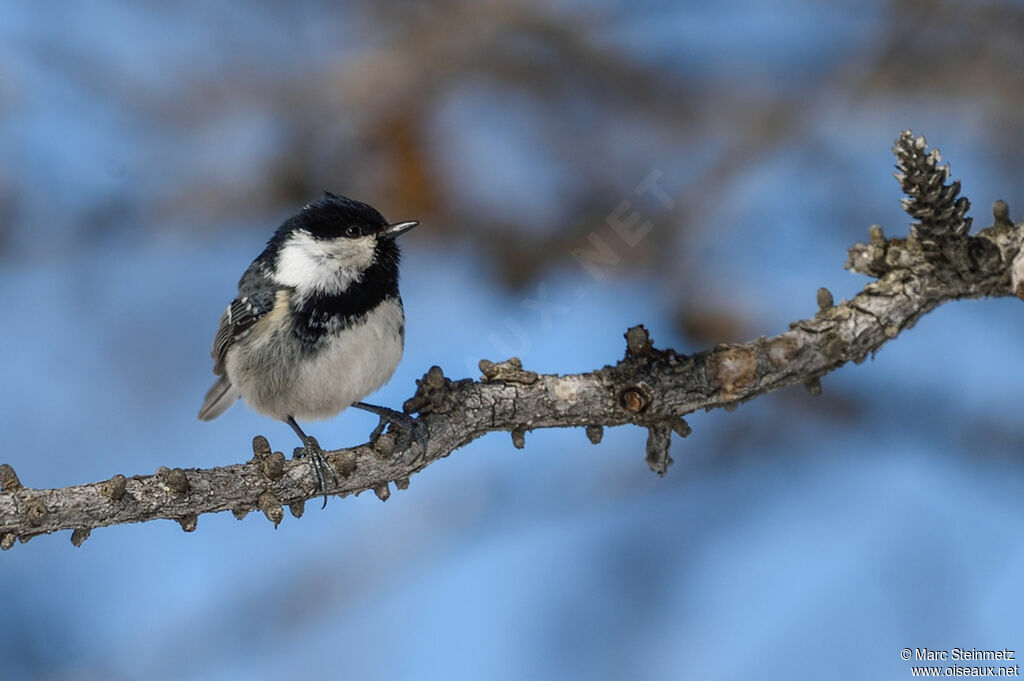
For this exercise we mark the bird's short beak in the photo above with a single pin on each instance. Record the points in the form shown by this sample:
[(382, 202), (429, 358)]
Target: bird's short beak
[(399, 228)]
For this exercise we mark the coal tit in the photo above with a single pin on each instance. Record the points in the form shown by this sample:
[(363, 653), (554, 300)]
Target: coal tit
[(318, 323)]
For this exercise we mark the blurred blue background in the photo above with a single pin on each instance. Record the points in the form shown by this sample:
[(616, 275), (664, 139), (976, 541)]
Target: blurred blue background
[(147, 151)]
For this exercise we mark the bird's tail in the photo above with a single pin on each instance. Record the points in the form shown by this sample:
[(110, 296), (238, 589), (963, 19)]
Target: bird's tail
[(218, 398)]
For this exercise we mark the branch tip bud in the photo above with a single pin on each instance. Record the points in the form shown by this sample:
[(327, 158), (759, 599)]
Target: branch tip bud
[(79, 535), (114, 488), (659, 437), (188, 522), (9, 481), (825, 299), (271, 507)]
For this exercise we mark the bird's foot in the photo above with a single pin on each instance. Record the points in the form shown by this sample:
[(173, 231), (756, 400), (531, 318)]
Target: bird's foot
[(411, 429), (322, 468)]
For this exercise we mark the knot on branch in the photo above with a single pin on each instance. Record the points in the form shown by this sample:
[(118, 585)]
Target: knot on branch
[(875, 258), (384, 444), (634, 378), (115, 488), (825, 300), (188, 522), (433, 394), (271, 507), (270, 463), (638, 341), (510, 371), (175, 479), (733, 369), (35, 511), (640, 345), (659, 436), (79, 535), (9, 481), (635, 398), (659, 439)]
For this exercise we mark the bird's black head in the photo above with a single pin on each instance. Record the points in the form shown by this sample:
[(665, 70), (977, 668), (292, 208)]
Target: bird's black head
[(332, 242), (332, 216)]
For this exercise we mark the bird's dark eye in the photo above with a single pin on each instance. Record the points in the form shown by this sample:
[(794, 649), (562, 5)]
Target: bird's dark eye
[(352, 231)]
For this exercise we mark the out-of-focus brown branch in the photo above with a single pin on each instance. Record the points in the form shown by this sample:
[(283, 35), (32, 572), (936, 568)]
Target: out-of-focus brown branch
[(650, 388)]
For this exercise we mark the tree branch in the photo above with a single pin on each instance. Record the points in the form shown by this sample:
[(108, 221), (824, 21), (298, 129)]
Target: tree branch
[(649, 387)]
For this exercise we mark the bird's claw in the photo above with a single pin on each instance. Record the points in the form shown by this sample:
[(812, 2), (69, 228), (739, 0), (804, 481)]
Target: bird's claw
[(411, 430), (322, 468)]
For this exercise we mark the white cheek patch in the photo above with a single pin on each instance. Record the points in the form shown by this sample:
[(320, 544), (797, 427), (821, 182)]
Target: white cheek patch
[(307, 264), (355, 253)]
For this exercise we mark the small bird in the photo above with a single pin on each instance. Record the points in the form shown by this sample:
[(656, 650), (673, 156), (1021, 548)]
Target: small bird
[(318, 323)]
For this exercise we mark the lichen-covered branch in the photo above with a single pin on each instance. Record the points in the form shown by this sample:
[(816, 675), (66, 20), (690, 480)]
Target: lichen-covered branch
[(650, 387)]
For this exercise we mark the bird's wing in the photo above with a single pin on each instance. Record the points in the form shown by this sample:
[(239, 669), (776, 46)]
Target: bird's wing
[(257, 294)]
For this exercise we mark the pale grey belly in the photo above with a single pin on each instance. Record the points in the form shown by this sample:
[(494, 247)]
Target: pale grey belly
[(277, 377)]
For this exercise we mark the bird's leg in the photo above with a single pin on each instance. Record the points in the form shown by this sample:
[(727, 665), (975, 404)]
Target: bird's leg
[(406, 423), (317, 460)]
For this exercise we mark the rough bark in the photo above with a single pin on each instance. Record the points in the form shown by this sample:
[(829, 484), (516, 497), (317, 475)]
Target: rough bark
[(651, 388)]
